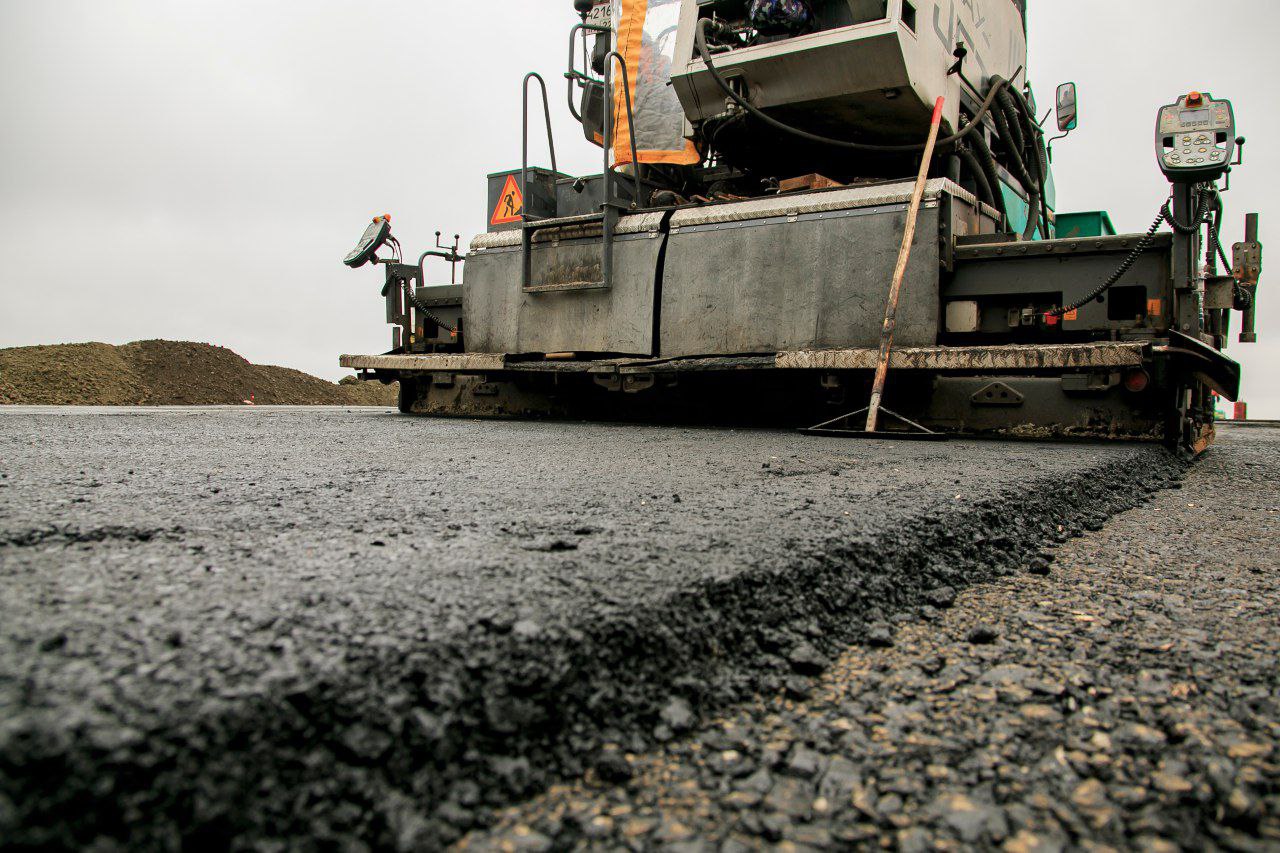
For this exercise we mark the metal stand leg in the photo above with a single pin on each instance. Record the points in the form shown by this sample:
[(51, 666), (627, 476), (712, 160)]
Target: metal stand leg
[(875, 409)]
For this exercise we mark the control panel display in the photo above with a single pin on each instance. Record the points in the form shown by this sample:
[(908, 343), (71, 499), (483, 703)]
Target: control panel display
[(1196, 138)]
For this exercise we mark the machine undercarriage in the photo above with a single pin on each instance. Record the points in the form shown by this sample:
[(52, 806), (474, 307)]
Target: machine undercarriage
[(731, 262)]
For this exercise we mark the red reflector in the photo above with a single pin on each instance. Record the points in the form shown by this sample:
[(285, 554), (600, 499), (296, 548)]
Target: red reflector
[(1137, 381), (1052, 319)]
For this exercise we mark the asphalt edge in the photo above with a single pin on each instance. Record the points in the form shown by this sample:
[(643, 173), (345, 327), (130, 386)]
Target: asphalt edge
[(439, 736)]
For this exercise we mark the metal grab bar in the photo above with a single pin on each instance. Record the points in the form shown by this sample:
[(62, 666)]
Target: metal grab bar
[(450, 254), (609, 128), (611, 209), (524, 142), (573, 75)]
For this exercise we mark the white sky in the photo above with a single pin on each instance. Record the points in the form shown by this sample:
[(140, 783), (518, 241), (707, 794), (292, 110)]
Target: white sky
[(196, 169)]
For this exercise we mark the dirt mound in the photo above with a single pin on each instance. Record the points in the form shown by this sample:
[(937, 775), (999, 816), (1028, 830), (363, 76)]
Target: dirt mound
[(165, 373)]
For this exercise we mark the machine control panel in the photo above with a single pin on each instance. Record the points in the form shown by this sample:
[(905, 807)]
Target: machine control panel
[(1196, 138)]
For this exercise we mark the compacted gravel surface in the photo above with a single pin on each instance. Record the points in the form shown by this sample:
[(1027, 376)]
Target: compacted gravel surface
[(246, 628), (1126, 696)]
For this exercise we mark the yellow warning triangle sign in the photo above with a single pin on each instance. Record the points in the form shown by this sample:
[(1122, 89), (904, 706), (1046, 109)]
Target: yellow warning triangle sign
[(510, 203)]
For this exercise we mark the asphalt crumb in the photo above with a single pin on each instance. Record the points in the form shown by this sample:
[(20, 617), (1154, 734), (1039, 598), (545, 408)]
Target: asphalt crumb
[(1123, 694), (79, 536), (276, 678)]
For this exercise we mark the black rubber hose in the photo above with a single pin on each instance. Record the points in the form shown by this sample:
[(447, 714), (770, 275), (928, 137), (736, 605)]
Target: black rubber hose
[(1018, 167), (1039, 154), (705, 53), (1010, 120), (978, 173), (1039, 212), (1033, 213), (1013, 116), (988, 161)]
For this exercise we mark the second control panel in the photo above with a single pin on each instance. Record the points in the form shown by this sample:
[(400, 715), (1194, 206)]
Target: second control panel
[(1195, 138)]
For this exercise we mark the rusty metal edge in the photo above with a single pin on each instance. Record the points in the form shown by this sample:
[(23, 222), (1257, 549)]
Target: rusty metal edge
[(458, 363), (1008, 357)]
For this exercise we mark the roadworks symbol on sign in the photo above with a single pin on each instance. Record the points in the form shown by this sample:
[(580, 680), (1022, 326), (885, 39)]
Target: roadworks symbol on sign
[(510, 203)]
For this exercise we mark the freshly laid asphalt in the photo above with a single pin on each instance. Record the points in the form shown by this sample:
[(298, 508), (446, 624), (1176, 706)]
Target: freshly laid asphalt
[(1124, 696), (230, 628)]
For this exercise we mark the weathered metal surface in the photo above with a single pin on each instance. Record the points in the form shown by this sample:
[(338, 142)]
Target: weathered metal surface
[(808, 281), (710, 364), (459, 363), (1007, 357), (862, 51), (702, 365), (566, 228), (1042, 248), (849, 198), (1040, 408), (563, 311), (1009, 276)]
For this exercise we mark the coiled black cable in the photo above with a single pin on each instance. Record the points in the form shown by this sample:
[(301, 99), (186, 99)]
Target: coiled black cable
[(1201, 208), (1143, 245), (425, 310)]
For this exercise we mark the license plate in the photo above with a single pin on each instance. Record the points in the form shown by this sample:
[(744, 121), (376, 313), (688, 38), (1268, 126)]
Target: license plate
[(601, 15)]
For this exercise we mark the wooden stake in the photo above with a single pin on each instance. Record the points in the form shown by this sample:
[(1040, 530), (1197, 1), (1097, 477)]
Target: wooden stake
[(900, 272)]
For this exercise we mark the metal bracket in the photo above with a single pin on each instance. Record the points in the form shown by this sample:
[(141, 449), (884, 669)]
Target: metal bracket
[(1248, 271), (1220, 293), (841, 428), (998, 394), (1247, 262)]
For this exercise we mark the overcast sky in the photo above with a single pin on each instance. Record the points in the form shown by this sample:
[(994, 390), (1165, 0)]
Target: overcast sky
[(196, 169)]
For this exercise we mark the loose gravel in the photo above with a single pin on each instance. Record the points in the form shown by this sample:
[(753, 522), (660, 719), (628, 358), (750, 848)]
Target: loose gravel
[(166, 373), (1124, 697), (237, 628)]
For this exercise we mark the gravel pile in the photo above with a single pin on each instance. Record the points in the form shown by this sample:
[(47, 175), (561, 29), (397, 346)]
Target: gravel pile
[(1121, 692), (165, 373)]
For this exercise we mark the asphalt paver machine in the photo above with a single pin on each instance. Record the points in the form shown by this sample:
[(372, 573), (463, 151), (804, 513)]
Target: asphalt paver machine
[(740, 258)]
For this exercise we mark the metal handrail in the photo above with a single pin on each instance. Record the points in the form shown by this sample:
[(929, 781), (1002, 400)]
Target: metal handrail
[(611, 210), (609, 118), (524, 143), (573, 75)]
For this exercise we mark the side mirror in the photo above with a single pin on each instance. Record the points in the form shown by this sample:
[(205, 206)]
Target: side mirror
[(1068, 108)]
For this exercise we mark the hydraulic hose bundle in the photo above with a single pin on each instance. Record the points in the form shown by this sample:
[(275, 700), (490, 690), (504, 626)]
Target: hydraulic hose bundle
[(1025, 144)]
